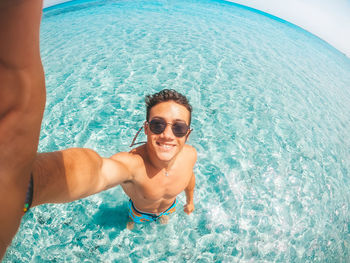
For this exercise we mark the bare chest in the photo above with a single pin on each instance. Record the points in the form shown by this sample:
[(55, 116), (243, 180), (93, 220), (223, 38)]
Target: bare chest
[(162, 186)]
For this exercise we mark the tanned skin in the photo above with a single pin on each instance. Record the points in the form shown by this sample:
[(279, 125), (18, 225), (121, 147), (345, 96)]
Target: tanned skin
[(71, 174), (149, 188), (22, 102)]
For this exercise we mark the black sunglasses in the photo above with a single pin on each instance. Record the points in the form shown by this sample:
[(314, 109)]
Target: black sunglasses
[(158, 125)]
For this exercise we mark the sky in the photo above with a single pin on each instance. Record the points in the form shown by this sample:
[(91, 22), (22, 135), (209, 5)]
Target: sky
[(327, 19), (48, 3)]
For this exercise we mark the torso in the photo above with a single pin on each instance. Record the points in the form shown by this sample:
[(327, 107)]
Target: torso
[(151, 190)]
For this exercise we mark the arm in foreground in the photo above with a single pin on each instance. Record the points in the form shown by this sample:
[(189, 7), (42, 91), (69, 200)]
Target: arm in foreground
[(75, 173), (22, 92), (22, 102)]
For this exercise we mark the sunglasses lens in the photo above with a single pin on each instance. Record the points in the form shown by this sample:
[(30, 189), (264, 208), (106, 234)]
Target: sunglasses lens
[(179, 129), (157, 126)]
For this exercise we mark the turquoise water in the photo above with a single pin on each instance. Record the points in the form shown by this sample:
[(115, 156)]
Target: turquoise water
[(271, 125)]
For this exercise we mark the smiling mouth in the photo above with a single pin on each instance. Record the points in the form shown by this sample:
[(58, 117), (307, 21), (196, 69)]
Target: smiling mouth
[(165, 146)]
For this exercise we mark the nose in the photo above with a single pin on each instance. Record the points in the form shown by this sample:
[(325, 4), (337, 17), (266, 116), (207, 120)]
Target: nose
[(167, 133)]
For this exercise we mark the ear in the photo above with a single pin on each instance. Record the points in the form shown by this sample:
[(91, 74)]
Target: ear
[(188, 134), (145, 127)]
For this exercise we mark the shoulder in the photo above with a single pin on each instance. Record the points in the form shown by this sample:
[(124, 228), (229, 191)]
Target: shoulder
[(190, 149), (132, 159), (190, 152)]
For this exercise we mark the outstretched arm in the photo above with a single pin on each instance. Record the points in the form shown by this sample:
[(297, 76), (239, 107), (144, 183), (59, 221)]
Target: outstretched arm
[(22, 102), (22, 92), (75, 173)]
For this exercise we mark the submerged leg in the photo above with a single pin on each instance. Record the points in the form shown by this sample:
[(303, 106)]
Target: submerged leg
[(164, 219), (130, 224)]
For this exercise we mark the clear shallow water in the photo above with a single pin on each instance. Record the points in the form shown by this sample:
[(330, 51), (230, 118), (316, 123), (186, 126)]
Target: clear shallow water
[(271, 125)]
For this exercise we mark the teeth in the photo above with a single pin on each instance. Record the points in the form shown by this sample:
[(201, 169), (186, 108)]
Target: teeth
[(166, 146)]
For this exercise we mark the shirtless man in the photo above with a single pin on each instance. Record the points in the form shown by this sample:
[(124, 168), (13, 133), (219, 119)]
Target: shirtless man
[(152, 175), (163, 167), (28, 178)]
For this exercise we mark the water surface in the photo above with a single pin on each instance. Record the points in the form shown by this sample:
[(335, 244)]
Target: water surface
[(271, 126)]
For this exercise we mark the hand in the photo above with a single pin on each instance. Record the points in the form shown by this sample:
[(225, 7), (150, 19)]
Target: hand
[(188, 208)]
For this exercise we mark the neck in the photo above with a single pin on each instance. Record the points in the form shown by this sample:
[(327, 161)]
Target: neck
[(158, 164)]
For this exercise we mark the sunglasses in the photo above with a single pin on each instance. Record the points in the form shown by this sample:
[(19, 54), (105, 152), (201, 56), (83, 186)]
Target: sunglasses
[(158, 126)]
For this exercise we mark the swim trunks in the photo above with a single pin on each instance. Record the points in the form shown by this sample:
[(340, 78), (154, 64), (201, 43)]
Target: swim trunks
[(141, 217), (29, 195)]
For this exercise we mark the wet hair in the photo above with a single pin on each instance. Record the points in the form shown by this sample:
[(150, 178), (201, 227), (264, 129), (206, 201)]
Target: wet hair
[(166, 95)]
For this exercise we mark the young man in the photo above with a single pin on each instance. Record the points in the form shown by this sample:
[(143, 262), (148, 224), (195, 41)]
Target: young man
[(152, 175), (163, 167), (28, 178)]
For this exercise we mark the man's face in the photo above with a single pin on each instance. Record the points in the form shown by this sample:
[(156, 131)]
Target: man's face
[(166, 146)]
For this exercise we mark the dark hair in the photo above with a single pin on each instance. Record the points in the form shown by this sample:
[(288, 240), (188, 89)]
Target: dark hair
[(166, 95)]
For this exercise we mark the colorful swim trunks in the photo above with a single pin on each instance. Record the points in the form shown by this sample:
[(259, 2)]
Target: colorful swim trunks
[(141, 217)]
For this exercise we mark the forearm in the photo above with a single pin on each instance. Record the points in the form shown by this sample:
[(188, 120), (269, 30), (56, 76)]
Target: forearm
[(189, 190), (22, 103), (67, 175), (71, 174)]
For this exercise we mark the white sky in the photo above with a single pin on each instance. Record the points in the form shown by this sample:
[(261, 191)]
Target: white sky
[(327, 19), (48, 3)]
